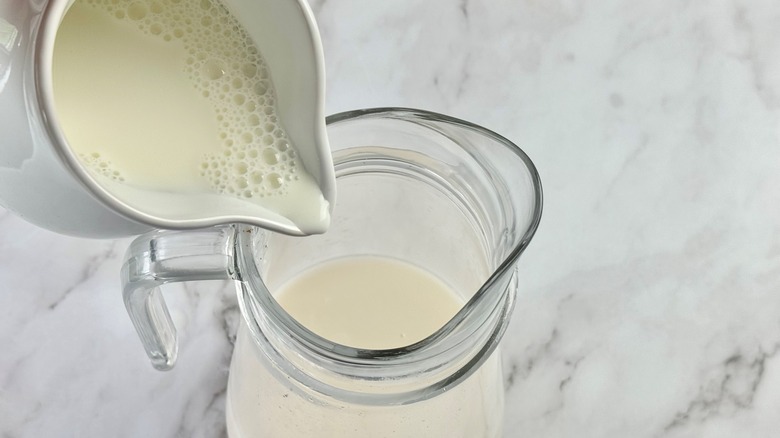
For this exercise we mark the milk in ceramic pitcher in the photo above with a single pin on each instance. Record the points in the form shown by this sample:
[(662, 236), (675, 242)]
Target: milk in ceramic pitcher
[(173, 95)]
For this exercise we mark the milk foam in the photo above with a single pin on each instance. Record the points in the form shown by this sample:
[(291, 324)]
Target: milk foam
[(242, 150), (224, 66), (101, 166)]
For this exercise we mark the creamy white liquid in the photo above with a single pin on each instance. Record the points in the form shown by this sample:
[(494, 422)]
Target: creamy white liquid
[(368, 302), (173, 96)]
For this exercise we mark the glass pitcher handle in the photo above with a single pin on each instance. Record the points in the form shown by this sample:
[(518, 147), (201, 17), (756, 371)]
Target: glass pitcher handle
[(161, 257)]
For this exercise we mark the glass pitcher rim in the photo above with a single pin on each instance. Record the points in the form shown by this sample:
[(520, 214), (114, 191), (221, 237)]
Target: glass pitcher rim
[(351, 355)]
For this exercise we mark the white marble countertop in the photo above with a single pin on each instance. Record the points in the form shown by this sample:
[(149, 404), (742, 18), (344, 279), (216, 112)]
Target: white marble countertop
[(650, 298)]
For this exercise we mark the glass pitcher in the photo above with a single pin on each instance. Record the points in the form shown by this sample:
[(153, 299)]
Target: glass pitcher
[(448, 196)]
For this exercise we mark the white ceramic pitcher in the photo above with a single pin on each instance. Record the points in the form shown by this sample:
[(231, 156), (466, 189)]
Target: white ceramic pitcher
[(42, 180)]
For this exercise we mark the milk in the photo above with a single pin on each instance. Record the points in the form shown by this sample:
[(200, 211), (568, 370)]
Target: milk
[(365, 302), (173, 96), (369, 302)]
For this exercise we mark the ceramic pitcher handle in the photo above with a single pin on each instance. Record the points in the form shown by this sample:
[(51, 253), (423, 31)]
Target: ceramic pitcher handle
[(161, 257)]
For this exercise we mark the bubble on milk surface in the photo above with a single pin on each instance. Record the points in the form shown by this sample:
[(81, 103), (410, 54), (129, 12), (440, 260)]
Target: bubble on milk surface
[(226, 68), (102, 166)]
